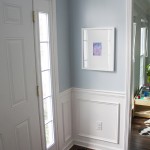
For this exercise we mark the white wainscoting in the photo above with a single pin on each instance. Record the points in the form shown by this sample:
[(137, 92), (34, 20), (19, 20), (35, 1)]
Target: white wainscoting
[(65, 120), (79, 113), (91, 107)]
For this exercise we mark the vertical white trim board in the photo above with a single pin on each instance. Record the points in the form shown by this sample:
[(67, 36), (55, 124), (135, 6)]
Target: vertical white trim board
[(127, 131), (65, 120)]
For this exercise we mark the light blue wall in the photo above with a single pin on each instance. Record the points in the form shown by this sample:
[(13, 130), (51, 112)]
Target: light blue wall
[(63, 44), (97, 13)]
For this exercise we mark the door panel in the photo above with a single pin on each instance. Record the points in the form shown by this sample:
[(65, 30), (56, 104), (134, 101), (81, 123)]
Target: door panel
[(19, 114), (23, 136), (15, 57)]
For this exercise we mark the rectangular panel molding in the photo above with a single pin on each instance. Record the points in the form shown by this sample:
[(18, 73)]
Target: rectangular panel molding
[(23, 136), (16, 67), (12, 14), (66, 112), (65, 120), (98, 118), (92, 112), (1, 142)]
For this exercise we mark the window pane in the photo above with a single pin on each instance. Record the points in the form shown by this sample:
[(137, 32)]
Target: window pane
[(49, 131), (46, 78), (45, 56), (43, 25), (46, 83), (48, 111)]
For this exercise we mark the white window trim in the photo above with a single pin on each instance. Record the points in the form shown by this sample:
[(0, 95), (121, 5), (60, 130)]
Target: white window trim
[(54, 67)]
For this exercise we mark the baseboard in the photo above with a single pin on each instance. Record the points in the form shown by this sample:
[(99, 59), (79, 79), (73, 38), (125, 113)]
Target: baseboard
[(69, 145), (93, 146)]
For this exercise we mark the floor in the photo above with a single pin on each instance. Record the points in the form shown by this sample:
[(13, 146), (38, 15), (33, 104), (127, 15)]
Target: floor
[(139, 142)]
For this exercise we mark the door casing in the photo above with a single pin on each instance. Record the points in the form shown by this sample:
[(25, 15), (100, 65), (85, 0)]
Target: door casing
[(128, 70)]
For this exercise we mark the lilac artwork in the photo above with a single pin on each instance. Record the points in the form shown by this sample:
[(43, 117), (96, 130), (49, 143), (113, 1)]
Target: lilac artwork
[(97, 49)]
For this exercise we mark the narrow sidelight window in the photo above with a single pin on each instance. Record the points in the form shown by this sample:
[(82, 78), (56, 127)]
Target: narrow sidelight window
[(46, 77)]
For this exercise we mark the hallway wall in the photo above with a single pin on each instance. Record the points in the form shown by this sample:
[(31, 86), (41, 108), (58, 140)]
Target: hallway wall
[(92, 96), (97, 13), (62, 15), (98, 96)]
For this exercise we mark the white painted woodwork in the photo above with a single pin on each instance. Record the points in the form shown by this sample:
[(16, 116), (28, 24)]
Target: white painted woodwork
[(87, 108), (64, 112), (16, 64), (92, 106), (91, 112), (49, 7), (128, 72), (23, 136), (19, 115)]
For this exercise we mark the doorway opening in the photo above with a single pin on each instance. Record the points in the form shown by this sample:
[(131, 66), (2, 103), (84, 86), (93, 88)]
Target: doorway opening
[(140, 118)]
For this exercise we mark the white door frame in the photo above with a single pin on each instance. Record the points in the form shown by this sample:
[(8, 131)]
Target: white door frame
[(128, 80), (54, 68), (55, 73)]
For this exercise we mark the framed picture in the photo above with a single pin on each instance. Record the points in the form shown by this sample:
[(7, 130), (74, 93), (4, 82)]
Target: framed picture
[(98, 48)]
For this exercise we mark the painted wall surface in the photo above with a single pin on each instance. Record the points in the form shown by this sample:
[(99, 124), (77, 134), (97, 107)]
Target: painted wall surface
[(63, 44), (97, 13)]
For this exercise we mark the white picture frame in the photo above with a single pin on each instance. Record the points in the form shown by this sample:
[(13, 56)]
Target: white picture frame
[(98, 48)]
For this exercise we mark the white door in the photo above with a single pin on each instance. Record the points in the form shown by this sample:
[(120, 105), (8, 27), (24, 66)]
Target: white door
[(46, 81), (19, 115)]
